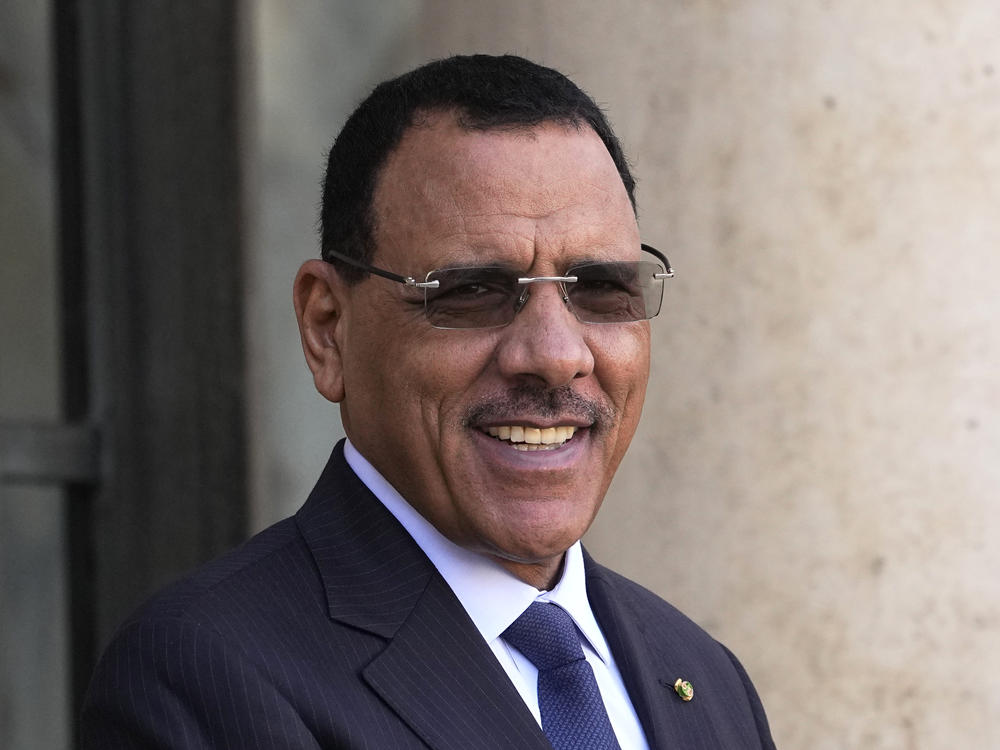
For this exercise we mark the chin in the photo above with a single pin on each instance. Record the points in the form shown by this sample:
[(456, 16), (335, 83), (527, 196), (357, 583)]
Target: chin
[(538, 546)]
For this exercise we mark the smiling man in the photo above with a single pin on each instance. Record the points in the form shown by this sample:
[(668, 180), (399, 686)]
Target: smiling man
[(481, 314)]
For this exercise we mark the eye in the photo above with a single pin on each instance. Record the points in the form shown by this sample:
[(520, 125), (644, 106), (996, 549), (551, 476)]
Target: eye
[(470, 283), (470, 294), (608, 292), (602, 286), (468, 290), (606, 279)]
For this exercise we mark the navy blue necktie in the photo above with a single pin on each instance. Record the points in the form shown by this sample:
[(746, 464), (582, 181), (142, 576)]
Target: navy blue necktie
[(573, 714)]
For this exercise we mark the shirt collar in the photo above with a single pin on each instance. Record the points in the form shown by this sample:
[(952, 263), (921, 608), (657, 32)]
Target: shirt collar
[(492, 595), (570, 593)]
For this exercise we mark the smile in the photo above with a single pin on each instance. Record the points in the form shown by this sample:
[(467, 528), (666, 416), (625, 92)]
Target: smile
[(533, 438)]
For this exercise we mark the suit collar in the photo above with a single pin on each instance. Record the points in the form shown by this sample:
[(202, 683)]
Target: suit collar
[(650, 650), (436, 671), (372, 571), (626, 638), (439, 675)]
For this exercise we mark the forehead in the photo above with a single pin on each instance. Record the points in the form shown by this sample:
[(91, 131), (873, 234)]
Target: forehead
[(451, 194)]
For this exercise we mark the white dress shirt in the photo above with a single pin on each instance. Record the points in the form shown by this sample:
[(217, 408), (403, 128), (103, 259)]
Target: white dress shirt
[(494, 598)]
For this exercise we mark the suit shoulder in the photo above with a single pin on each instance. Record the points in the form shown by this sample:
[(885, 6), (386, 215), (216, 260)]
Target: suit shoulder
[(645, 604), (650, 633), (621, 603), (233, 581)]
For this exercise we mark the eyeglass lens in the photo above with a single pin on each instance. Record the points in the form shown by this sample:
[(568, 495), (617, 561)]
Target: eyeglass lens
[(490, 297)]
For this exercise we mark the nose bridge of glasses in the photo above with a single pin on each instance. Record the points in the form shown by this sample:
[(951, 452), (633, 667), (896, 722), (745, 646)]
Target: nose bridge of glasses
[(527, 281)]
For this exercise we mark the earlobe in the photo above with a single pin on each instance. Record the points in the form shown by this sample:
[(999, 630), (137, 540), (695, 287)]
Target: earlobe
[(319, 297)]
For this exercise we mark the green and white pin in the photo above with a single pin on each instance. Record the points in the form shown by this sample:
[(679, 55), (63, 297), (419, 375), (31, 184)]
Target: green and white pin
[(684, 689)]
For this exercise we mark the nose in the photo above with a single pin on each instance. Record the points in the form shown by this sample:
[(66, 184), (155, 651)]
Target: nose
[(545, 342)]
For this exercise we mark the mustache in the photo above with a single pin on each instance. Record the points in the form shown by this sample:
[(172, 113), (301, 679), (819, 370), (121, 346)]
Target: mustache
[(547, 403)]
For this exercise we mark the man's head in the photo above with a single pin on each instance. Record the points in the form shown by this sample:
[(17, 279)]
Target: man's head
[(504, 438), (485, 93)]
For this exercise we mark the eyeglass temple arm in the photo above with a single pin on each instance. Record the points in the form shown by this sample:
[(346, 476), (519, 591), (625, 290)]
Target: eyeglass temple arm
[(408, 280), (669, 272)]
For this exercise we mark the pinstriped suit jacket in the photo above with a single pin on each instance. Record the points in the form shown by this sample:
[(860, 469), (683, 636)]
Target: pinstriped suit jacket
[(331, 629)]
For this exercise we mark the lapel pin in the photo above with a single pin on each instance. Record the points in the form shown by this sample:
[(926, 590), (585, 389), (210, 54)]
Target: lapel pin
[(684, 689)]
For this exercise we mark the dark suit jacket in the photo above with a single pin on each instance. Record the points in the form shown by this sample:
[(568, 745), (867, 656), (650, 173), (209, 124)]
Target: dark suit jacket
[(332, 629)]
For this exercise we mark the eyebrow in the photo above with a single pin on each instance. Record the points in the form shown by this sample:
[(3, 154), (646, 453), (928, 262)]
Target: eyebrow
[(459, 266), (517, 271)]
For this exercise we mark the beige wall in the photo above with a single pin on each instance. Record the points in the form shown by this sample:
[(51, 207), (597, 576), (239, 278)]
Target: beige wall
[(817, 474)]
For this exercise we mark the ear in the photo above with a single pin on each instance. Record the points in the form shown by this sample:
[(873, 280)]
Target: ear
[(320, 297)]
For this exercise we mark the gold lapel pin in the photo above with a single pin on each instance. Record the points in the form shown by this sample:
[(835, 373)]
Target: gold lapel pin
[(684, 689)]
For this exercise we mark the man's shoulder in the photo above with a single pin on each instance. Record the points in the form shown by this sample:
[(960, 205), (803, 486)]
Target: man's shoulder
[(238, 580), (243, 643), (656, 639), (631, 608), (635, 597), (274, 565)]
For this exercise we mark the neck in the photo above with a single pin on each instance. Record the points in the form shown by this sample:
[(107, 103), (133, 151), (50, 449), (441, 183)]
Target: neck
[(542, 575)]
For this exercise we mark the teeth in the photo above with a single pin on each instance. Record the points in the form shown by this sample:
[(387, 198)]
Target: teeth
[(533, 438)]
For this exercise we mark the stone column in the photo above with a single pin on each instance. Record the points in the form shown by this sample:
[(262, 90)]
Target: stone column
[(816, 476)]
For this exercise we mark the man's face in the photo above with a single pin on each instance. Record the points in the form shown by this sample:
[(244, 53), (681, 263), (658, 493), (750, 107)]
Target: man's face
[(425, 405)]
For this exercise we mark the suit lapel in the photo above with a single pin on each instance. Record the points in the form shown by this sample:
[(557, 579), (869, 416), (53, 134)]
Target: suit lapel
[(443, 680), (436, 671), (624, 632), (650, 664)]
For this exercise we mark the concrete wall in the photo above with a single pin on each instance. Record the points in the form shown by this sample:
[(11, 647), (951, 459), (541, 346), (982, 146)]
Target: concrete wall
[(816, 477)]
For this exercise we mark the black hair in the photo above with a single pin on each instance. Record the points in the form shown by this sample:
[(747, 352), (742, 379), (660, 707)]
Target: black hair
[(485, 93)]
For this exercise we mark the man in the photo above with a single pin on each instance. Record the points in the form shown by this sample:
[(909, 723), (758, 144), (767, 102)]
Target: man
[(481, 316)]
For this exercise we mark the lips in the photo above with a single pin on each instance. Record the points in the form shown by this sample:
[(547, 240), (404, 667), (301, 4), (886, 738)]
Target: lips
[(533, 438), (515, 417)]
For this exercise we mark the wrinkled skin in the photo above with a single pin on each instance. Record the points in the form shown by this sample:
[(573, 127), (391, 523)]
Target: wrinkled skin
[(417, 401)]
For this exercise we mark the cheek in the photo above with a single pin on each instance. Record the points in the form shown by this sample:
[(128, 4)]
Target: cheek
[(378, 378), (622, 365), (435, 373), (623, 372)]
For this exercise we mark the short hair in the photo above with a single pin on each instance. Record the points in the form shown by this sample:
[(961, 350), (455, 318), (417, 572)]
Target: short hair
[(485, 92)]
